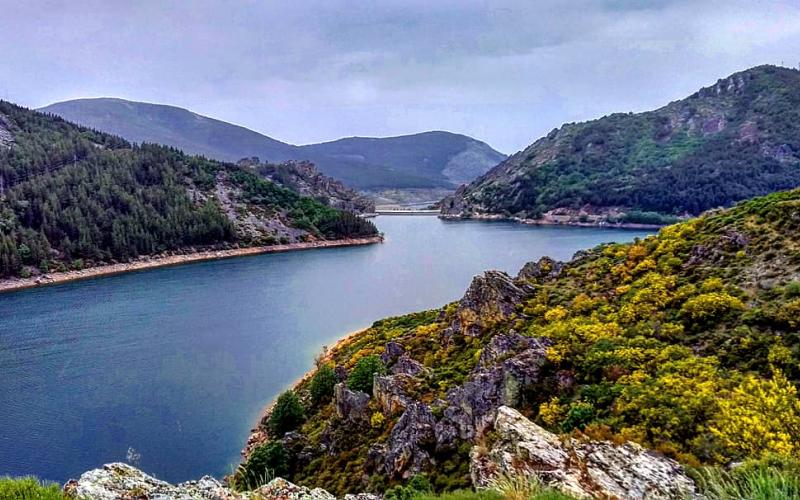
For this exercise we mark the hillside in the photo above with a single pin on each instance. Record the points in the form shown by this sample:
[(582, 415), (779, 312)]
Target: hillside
[(304, 178), (733, 140), (427, 160), (685, 342), (71, 198)]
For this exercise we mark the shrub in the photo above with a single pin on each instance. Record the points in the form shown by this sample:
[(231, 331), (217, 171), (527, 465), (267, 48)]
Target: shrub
[(287, 414), (321, 387), (417, 485), (264, 464), (753, 480), (711, 305), (364, 372), (28, 488)]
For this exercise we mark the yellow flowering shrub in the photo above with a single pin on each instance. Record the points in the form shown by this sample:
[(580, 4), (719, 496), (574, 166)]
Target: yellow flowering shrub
[(711, 305), (552, 412), (760, 417)]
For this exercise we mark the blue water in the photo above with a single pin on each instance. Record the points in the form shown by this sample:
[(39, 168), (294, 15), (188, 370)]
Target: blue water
[(177, 362)]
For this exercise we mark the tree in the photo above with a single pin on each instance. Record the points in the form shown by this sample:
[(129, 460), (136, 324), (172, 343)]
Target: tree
[(364, 372), (321, 387), (287, 414), (265, 463)]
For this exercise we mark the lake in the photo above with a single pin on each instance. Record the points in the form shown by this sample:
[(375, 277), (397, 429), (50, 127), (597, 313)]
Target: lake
[(175, 364)]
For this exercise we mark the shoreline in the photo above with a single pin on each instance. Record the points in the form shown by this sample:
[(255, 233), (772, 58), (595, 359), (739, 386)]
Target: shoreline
[(257, 436), (544, 222), (152, 262)]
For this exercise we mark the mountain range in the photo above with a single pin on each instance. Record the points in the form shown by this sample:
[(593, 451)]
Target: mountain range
[(426, 160), (733, 140)]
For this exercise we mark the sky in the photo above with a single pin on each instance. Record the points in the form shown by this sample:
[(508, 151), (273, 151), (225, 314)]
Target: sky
[(303, 71)]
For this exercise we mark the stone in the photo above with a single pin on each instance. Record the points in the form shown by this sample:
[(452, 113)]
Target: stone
[(351, 406), (410, 442), (390, 392), (491, 298), (579, 467), (544, 269), (406, 365), (391, 352), (281, 489)]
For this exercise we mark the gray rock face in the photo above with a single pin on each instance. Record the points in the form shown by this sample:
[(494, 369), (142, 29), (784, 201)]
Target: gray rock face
[(508, 364), (544, 268), (406, 365), (390, 392), (391, 352), (407, 452), (586, 469), (119, 481), (351, 406), (491, 298)]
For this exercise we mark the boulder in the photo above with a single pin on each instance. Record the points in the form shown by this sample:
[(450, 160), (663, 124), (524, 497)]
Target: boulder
[(491, 298), (351, 406), (117, 481), (412, 438), (508, 364), (544, 269), (406, 365), (391, 352), (391, 392), (583, 468)]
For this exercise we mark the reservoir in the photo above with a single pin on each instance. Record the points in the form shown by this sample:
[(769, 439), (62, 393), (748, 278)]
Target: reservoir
[(169, 368)]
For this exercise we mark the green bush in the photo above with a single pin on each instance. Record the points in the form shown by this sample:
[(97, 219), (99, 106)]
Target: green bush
[(287, 414), (264, 464), (28, 488), (363, 373), (321, 387), (417, 485)]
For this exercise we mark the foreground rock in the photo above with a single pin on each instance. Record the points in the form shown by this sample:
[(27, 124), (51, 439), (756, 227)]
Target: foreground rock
[(122, 481), (586, 469)]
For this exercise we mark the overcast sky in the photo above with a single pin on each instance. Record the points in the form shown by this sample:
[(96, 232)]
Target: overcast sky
[(302, 71)]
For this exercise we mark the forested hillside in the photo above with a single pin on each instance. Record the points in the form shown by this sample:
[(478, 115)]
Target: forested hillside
[(72, 197), (685, 342), (736, 139)]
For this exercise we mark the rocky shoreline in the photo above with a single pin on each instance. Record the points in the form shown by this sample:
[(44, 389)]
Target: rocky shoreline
[(550, 222), (13, 284)]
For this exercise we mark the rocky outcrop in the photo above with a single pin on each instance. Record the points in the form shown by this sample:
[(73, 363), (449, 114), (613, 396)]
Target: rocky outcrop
[(120, 481), (391, 392), (545, 268), (351, 406), (586, 469), (303, 177), (491, 298), (411, 441), (508, 364)]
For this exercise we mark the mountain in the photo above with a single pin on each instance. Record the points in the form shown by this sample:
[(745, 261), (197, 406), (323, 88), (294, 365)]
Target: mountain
[(685, 342), (733, 140), (427, 160), (72, 197)]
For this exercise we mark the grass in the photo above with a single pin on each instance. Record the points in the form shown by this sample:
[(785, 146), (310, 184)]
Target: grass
[(751, 483), (29, 488)]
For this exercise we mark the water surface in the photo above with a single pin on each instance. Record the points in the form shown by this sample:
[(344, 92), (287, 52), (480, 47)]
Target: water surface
[(177, 362)]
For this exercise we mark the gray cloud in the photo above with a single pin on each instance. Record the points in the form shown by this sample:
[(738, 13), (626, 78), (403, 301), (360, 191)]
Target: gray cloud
[(304, 71)]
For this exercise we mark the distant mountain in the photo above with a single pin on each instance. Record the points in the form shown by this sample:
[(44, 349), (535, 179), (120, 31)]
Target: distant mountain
[(72, 198), (426, 160), (733, 140)]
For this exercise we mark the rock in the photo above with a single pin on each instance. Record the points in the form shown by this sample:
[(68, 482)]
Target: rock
[(363, 496), (586, 469), (391, 392), (282, 489), (406, 365), (546, 268), (491, 298), (409, 445), (118, 480), (351, 406), (508, 364), (391, 352)]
